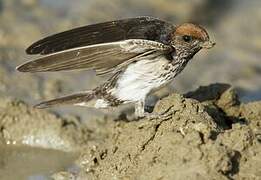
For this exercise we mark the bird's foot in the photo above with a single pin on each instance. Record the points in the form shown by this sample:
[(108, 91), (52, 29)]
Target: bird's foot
[(140, 113), (152, 116)]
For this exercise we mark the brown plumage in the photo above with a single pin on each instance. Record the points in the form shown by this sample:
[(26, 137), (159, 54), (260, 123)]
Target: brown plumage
[(143, 54)]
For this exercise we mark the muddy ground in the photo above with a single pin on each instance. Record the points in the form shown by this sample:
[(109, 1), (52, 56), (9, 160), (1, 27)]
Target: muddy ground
[(205, 134)]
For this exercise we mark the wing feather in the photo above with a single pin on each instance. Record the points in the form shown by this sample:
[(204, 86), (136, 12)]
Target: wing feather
[(148, 28), (101, 57)]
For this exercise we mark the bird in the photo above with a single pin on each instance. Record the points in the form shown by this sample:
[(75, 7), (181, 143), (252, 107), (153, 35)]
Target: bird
[(141, 55)]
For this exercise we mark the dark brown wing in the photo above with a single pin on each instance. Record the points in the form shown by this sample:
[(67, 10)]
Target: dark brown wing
[(101, 57), (133, 28)]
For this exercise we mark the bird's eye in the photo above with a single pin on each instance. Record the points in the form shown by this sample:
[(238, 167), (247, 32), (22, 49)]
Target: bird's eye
[(187, 38)]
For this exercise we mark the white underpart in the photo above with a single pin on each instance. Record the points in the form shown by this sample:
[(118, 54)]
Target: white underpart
[(82, 104), (97, 103), (100, 103), (139, 79)]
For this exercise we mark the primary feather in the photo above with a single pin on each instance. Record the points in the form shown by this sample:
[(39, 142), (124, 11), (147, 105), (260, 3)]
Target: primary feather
[(148, 28), (101, 57)]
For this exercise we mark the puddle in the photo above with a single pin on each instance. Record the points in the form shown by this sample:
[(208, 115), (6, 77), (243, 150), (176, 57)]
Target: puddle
[(28, 163), (251, 96)]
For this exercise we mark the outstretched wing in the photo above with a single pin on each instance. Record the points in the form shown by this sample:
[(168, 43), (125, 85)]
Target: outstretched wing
[(133, 28), (101, 57)]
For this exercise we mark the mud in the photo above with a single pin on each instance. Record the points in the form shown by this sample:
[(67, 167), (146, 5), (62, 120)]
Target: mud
[(21, 124), (205, 134)]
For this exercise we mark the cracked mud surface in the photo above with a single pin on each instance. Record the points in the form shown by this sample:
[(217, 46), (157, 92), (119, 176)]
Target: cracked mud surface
[(209, 135), (190, 142), (205, 134)]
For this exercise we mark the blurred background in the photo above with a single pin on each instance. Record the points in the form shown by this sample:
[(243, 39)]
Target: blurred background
[(233, 24)]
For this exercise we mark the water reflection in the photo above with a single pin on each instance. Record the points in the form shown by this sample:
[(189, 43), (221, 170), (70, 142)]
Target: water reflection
[(32, 163)]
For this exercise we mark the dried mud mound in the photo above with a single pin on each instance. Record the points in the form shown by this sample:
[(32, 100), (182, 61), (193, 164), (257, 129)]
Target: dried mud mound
[(21, 124), (205, 134)]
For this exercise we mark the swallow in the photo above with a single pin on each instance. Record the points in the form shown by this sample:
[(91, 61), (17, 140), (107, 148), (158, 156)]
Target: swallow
[(140, 54)]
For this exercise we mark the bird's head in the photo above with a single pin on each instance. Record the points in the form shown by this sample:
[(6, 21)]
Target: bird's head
[(189, 38)]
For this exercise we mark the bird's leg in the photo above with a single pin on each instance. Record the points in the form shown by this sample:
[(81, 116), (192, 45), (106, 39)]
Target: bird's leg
[(139, 109), (140, 112)]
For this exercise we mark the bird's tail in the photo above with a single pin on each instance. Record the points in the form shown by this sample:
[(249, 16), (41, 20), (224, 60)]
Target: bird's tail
[(75, 99)]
